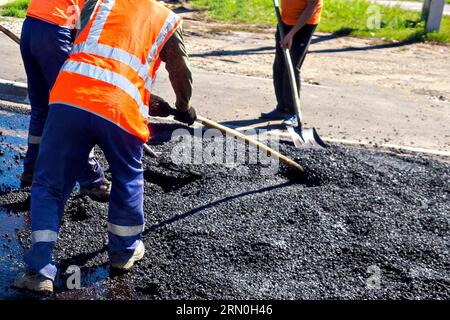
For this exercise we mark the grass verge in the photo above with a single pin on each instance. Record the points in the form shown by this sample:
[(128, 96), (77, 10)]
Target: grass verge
[(355, 17), (16, 8)]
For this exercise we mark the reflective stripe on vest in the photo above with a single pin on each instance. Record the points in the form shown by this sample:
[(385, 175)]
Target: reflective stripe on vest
[(111, 68), (107, 76), (172, 21)]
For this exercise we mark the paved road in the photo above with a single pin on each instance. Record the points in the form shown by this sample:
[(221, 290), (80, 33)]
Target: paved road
[(409, 5), (364, 113)]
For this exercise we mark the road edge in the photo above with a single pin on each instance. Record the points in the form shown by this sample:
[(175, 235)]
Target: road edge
[(18, 91)]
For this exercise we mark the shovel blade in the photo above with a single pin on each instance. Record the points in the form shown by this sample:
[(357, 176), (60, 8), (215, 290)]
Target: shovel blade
[(306, 138)]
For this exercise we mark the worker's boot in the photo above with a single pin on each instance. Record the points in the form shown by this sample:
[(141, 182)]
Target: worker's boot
[(34, 282), (137, 255), (26, 179), (275, 114), (99, 192)]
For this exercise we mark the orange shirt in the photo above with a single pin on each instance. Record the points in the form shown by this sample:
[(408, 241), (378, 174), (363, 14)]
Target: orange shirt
[(292, 9), (63, 13)]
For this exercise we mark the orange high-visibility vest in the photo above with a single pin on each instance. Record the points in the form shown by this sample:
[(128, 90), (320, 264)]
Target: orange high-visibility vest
[(111, 68), (64, 13), (292, 9)]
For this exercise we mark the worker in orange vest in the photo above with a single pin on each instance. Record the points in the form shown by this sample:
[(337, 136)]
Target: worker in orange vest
[(299, 21), (101, 96), (46, 41)]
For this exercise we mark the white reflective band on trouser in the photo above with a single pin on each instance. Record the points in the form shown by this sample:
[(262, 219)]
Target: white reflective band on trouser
[(34, 139), (44, 236), (107, 76), (125, 231)]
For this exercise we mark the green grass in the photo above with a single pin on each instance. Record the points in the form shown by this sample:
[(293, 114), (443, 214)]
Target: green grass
[(446, 1), (17, 8), (339, 16)]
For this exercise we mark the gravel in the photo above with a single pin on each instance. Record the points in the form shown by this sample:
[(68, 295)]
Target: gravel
[(359, 224)]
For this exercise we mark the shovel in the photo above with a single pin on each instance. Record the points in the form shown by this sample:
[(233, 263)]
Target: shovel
[(168, 110), (302, 138)]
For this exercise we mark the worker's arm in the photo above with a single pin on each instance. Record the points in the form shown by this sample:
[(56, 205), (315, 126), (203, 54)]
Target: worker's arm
[(301, 21), (177, 65)]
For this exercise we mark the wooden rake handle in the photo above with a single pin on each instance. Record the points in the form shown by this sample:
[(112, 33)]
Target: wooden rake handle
[(289, 162), (11, 35)]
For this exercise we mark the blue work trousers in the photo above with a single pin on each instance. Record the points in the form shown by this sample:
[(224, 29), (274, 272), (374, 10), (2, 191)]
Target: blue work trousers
[(57, 168), (44, 48)]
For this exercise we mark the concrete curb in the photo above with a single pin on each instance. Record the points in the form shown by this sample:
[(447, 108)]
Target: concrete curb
[(18, 90)]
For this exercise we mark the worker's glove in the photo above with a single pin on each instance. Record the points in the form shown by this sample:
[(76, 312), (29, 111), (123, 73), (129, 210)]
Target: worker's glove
[(159, 107), (187, 117)]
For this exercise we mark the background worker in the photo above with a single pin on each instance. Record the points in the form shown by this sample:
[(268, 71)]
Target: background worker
[(101, 96), (46, 41), (300, 19)]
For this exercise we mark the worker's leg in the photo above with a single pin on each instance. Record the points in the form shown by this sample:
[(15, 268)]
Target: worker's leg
[(57, 44), (279, 68), (299, 49), (126, 216), (38, 92), (64, 149)]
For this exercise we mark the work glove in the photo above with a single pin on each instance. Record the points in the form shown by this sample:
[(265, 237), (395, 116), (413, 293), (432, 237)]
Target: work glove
[(159, 107), (187, 117)]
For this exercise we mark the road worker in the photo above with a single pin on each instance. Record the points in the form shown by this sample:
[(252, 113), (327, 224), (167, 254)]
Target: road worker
[(46, 41), (299, 21), (101, 96)]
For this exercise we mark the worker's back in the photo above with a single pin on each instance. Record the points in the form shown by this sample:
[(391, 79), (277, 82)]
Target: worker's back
[(292, 9), (63, 13), (115, 57)]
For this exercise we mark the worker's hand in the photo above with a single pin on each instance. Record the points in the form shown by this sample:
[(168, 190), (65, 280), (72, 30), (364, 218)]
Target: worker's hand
[(187, 117), (287, 41), (159, 107)]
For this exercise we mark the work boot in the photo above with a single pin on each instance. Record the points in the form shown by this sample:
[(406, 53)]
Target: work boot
[(275, 114), (98, 192), (26, 179), (291, 121), (34, 282), (137, 255)]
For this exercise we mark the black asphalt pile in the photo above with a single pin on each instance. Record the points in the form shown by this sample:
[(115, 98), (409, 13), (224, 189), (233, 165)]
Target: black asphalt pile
[(358, 224)]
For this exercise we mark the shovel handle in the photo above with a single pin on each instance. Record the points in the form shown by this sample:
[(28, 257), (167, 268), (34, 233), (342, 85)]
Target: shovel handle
[(149, 151), (290, 67), (212, 124), (11, 35)]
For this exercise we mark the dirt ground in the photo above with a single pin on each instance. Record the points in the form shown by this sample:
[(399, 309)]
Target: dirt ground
[(414, 68), (358, 91)]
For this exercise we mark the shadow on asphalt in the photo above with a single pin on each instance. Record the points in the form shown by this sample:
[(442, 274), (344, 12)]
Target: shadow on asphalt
[(414, 38), (213, 204)]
